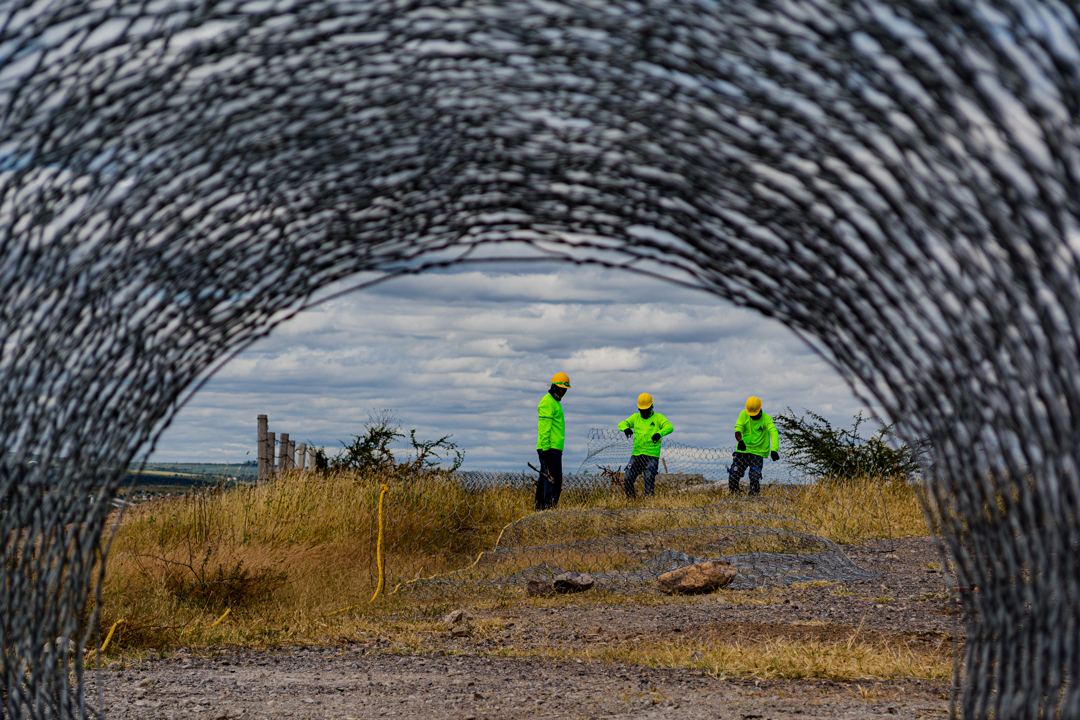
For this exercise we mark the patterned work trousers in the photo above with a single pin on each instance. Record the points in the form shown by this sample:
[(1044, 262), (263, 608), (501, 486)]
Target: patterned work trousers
[(740, 461)]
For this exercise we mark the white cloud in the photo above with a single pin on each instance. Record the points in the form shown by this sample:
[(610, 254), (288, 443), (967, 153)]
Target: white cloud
[(471, 353)]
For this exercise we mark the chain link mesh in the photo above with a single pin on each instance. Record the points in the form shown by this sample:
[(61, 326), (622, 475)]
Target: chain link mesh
[(624, 543), (894, 181)]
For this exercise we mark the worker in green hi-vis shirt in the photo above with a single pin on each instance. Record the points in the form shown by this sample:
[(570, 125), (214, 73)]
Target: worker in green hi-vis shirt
[(550, 439), (757, 437), (647, 427)]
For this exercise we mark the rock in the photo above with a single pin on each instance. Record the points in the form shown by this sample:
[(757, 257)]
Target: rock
[(457, 617), (572, 582), (459, 631), (534, 588), (146, 683), (702, 577)]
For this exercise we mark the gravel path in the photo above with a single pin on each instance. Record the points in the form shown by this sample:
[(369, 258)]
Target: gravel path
[(470, 677)]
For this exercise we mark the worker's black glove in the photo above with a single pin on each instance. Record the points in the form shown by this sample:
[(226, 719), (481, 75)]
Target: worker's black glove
[(742, 446), (774, 455), (656, 437), (628, 432)]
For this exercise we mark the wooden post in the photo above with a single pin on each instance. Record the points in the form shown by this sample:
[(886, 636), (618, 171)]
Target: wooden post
[(263, 425), (270, 469), (311, 457), (301, 457), (283, 452), (291, 455)]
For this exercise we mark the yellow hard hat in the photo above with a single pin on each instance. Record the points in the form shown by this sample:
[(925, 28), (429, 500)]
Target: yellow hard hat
[(753, 405), (644, 400), (561, 379)]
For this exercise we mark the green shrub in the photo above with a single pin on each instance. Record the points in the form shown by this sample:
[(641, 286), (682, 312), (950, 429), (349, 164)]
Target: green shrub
[(815, 447), (371, 451)]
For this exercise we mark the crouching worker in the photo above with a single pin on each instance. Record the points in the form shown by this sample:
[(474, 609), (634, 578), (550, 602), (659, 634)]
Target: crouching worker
[(757, 437), (550, 439), (647, 427)]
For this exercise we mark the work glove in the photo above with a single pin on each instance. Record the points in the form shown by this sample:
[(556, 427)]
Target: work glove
[(774, 455), (742, 446), (628, 432), (656, 437)]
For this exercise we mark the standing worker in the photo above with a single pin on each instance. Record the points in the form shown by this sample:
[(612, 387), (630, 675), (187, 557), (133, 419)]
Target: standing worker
[(550, 439), (757, 437), (647, 427)]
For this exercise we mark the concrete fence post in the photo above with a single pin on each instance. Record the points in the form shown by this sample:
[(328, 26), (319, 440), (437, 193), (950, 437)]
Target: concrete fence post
[(283, 452), (270, 441), (263, 426), (301, 457)]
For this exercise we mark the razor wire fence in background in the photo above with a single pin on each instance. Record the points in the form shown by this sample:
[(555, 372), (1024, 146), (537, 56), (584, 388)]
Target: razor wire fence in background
[(895, 181), (610, 450)]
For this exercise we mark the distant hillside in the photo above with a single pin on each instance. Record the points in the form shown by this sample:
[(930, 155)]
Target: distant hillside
[(191, 474)]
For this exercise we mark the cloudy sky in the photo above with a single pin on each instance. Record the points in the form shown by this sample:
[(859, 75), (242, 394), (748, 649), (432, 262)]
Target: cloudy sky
[(470, 351)]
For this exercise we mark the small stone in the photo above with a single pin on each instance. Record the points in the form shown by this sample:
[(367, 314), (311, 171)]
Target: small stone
[(457, 617), (147, 683), (703, 577), (697, 656), (572, 582), (459, 631), (477, 696), (534, 588)]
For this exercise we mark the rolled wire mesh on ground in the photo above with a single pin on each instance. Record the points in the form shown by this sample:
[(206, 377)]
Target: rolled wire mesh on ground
[(895, 181), (628, 549), (481, 530)]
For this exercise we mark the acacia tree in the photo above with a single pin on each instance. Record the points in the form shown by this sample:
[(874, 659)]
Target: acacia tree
[(818, 449), (372, 450)]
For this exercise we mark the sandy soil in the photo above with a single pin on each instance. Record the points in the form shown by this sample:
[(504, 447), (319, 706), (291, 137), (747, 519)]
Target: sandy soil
[(471, 678)]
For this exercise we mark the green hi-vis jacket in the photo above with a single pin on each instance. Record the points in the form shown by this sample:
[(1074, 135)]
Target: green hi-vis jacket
[(644, 430), (551, 427), (759, 435)]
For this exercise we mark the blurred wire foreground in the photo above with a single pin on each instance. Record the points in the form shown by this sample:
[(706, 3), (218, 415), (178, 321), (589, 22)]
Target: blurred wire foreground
[(896, 181)]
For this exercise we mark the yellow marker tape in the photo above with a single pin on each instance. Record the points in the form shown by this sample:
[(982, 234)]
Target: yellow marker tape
[(378, 545), (338, 612), (109, 636), (90, 655), (469, 567)]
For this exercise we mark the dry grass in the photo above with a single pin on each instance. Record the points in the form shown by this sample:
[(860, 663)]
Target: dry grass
[(293, 561), (792, 660)]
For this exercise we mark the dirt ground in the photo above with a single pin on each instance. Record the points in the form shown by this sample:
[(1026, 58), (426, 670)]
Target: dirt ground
[(498, 671)]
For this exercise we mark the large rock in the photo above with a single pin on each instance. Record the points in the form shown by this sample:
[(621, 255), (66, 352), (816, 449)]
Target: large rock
[(702, 577), (535, 588), (455, 618), (572, 582)]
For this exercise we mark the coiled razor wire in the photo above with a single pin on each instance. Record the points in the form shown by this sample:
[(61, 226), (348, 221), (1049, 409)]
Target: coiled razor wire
[(610, 451), (894, 180)]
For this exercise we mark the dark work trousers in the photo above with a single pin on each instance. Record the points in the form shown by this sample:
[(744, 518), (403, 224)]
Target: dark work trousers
[(644, 465), (740, 461), (549, 484)]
